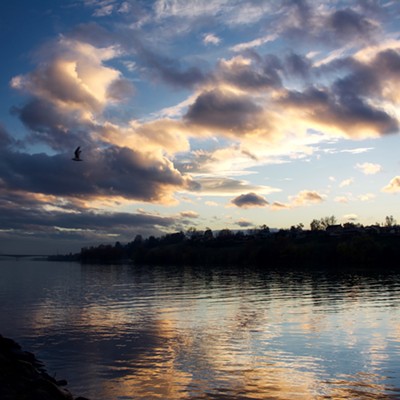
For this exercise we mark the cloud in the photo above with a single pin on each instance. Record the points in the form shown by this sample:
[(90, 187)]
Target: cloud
[(254, 43), (5, 138), (346, 182), (169, 70), (251, 74), (73, 76), (336, 112), (189, 214), (37, 227), (322, 23), (163, 135), (210, 38), (51, 125), (306, 197), (68, 91), (393, 186), (298, 65), (359, 103), (369, 168), (341, 199), (105, 8), (358, 150), (225, 111), (366, 197), (110, 172), (276, 205), (257, 106), (243, 223), (350, 217), (348, 24), (231, 13), (249, 200), (219, 186)]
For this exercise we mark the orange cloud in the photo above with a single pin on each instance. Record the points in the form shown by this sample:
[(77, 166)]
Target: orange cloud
[(306, 197), (393, 186)]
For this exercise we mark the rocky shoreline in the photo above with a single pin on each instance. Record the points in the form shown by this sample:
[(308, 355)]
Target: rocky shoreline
[(24, 377)]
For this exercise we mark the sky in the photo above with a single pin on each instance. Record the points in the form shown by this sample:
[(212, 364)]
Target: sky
[(220, 114)]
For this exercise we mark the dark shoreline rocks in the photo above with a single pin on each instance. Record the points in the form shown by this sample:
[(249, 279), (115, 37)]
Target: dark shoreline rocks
[(23, 376)]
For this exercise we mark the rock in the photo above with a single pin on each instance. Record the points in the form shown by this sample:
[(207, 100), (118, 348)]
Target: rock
[(23, 376)]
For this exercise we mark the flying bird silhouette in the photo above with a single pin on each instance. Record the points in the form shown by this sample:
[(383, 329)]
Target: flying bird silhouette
[(77, 154)]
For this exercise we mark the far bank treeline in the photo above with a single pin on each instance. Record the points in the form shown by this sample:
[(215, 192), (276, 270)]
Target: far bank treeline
[(325, 244)]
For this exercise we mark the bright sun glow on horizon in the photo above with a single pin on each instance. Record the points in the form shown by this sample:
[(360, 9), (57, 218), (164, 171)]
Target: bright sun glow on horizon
[(221, 114)]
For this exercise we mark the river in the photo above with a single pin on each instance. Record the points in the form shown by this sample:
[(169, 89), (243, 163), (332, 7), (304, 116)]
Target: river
[(126, 332)]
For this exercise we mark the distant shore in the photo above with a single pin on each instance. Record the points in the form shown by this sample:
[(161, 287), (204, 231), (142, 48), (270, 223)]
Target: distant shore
[(336, 246), (23, 376)]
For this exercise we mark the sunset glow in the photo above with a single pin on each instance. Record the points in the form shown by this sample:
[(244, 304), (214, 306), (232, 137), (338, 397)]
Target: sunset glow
[(219, 114)]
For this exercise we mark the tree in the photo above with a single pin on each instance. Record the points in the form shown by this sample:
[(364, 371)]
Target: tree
[(390, 221), (264, 228), (328, 221), (323, 223), (315, 225), (193, 233), (225, 233), (208, 234), (138, 240)]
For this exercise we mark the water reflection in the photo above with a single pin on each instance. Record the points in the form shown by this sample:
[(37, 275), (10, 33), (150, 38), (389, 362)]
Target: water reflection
[(122, 332)]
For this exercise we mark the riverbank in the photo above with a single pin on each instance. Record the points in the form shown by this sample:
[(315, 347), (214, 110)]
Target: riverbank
[(24, 377)]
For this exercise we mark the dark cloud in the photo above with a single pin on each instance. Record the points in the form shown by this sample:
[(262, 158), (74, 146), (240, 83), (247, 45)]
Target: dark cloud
[(342, 107), (249, 200), (5, 139), (302, 20), (262, 73), (297, 65), (169, 70), (362, 82), (348, 24), (120, 89), (94, 34), (224, 110), (301, 9), (364, 79), (40, 231), (115, 171), (48, 124), (244, 224), (387, 64)]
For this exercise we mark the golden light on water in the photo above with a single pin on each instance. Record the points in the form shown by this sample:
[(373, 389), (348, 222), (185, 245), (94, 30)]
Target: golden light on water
[(186, 334)]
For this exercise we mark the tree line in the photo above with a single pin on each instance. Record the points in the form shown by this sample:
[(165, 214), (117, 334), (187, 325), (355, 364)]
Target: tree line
[(325, 244)]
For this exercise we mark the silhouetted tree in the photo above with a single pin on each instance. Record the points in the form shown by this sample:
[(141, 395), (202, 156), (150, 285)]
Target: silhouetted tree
[(315, 225), (225, 234), (390, 221), (328, 221), (208, 234), (323, 223)]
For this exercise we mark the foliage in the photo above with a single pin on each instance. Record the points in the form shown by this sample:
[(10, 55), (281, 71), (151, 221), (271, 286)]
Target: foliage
[(348, 245), (323, 223)]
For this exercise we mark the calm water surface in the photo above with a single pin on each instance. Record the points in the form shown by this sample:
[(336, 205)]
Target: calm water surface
[(124, 332)]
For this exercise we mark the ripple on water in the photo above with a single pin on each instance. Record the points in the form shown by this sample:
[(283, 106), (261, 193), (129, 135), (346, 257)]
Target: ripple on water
[(119, 332)]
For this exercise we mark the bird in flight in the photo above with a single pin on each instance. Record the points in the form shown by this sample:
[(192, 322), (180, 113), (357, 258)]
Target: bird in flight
[(77, 154)]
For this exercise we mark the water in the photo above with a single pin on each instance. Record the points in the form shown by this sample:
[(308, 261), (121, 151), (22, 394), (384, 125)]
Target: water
[(124, 332)]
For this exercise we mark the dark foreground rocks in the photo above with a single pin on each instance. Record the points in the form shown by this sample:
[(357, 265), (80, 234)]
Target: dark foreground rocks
[(23, 376)]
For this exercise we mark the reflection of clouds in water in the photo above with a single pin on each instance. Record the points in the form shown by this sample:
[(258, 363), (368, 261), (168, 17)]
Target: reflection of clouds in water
[(150, 333), (360, 386)]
